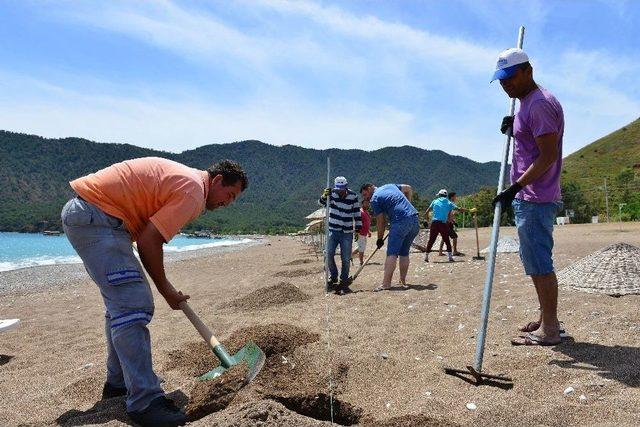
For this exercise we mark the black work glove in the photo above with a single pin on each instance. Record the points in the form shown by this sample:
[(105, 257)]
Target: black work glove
[(380, 243), (507, 122), (506, 196), (425, 224)]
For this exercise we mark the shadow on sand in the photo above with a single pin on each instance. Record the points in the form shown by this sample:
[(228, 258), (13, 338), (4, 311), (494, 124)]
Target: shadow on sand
[(429, 287), (107, 410), (5, 358), (504, 385), (619, 363)]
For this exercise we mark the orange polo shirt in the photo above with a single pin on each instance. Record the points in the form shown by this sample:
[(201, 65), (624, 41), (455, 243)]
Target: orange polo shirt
[(167, 193)]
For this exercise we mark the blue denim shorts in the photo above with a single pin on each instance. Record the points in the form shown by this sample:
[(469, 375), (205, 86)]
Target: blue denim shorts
[(534, 222), (401, 235)]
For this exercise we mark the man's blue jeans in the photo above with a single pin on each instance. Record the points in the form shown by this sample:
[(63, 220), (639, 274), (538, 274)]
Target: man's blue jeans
[(345, 241)]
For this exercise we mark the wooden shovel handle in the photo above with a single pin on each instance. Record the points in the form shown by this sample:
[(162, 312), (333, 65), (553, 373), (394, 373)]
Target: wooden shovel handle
[(206, 334)]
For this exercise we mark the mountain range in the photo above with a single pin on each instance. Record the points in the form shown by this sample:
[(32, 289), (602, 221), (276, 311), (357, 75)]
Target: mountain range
[(284, 182)]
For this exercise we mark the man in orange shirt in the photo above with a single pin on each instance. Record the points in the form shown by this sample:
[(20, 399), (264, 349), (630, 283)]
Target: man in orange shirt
[(148, 201)]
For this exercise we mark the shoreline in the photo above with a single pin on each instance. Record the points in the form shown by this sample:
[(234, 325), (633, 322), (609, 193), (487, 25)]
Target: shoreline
[(37, 278)]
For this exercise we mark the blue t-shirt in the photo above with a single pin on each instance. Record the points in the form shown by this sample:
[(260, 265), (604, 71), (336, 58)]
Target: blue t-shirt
[(441, 208), (389, 200)]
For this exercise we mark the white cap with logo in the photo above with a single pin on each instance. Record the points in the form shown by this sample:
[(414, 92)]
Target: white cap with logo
[(340, 183), (507, 63)]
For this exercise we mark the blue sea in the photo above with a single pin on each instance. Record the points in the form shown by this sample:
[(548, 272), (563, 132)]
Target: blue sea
[(22, 250)]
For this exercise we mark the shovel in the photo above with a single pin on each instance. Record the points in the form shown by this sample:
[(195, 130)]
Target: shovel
[(249, 354), (475, 222), (367, 260)]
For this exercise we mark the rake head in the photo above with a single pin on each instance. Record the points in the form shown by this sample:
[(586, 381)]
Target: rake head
[(477, 376)]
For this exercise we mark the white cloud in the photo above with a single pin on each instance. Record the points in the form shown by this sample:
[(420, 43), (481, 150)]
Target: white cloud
[(178, 125), (377, 83)]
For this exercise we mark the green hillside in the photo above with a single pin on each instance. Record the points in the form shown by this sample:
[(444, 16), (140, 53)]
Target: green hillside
[(606, 157), (284, 181), (616, 158)]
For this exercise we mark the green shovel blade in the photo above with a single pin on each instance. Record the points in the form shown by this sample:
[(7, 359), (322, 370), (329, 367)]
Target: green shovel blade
[(250, 354)]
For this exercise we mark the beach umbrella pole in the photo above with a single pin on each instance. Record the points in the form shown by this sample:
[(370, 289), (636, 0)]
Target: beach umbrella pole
[(326, 230), (476, 370)]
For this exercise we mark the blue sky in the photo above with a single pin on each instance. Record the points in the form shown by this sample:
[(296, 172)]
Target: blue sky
[(175, 75)]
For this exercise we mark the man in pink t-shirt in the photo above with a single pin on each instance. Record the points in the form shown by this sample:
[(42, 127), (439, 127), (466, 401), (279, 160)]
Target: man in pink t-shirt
[(148, 201), (361, 236), (534, 194)]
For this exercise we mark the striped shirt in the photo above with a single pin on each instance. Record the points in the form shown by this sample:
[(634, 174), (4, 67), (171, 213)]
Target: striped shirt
[(344, 214)]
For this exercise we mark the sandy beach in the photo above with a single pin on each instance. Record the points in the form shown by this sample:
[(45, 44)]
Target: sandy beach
[(383, 353)]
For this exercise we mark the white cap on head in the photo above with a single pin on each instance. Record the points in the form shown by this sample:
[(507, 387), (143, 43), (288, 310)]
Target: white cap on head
[(340, 183), (507, 63), (443, 193)]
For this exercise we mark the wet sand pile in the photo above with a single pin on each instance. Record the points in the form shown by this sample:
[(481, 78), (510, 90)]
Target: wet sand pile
[(292, 376), (197, 358), (299, 261), (213, 395), (261, 413), (298, 272), (271, 296), (613, 270), (87, 388)]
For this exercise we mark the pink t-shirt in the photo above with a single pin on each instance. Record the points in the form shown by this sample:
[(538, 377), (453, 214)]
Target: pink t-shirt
[(167, 193), (540, 114), (366, 222)]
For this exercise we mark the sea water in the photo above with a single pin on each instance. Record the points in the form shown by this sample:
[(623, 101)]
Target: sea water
[(21, 250)]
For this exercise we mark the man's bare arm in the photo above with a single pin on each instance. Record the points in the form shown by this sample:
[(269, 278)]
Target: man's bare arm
[(380, 225), (407, 190), (151, 254)]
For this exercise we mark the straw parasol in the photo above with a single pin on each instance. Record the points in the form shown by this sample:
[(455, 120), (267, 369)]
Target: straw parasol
[(613, 270)]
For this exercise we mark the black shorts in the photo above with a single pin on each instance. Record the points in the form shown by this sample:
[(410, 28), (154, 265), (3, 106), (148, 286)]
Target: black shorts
[(452, 231)]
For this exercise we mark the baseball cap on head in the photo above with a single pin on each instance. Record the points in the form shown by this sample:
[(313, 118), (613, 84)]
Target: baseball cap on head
[(508, 62), (340, 183), (443, 193)]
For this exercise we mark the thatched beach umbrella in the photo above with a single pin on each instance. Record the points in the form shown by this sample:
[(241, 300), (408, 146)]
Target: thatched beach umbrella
[(317, 214), (613, 270), (314, 225)]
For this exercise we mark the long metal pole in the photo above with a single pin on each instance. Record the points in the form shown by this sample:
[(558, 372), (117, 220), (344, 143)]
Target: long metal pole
[(326, 229), (497, 213), (606, 197)]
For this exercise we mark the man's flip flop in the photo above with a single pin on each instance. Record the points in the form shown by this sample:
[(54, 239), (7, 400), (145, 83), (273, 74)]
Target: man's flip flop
[(381, 288), (533, 326), (532, 340)]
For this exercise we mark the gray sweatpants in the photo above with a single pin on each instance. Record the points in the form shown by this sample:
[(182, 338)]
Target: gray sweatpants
[(104, 245)]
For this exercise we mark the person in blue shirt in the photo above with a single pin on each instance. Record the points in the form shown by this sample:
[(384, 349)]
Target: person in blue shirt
[(441, 208), (391, 202)]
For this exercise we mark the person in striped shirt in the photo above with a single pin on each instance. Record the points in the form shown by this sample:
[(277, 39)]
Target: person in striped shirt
[(344, 218)]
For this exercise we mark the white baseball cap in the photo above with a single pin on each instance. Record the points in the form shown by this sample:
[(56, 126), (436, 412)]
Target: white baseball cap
[(340, 183), (507, 63), (443, 193)]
